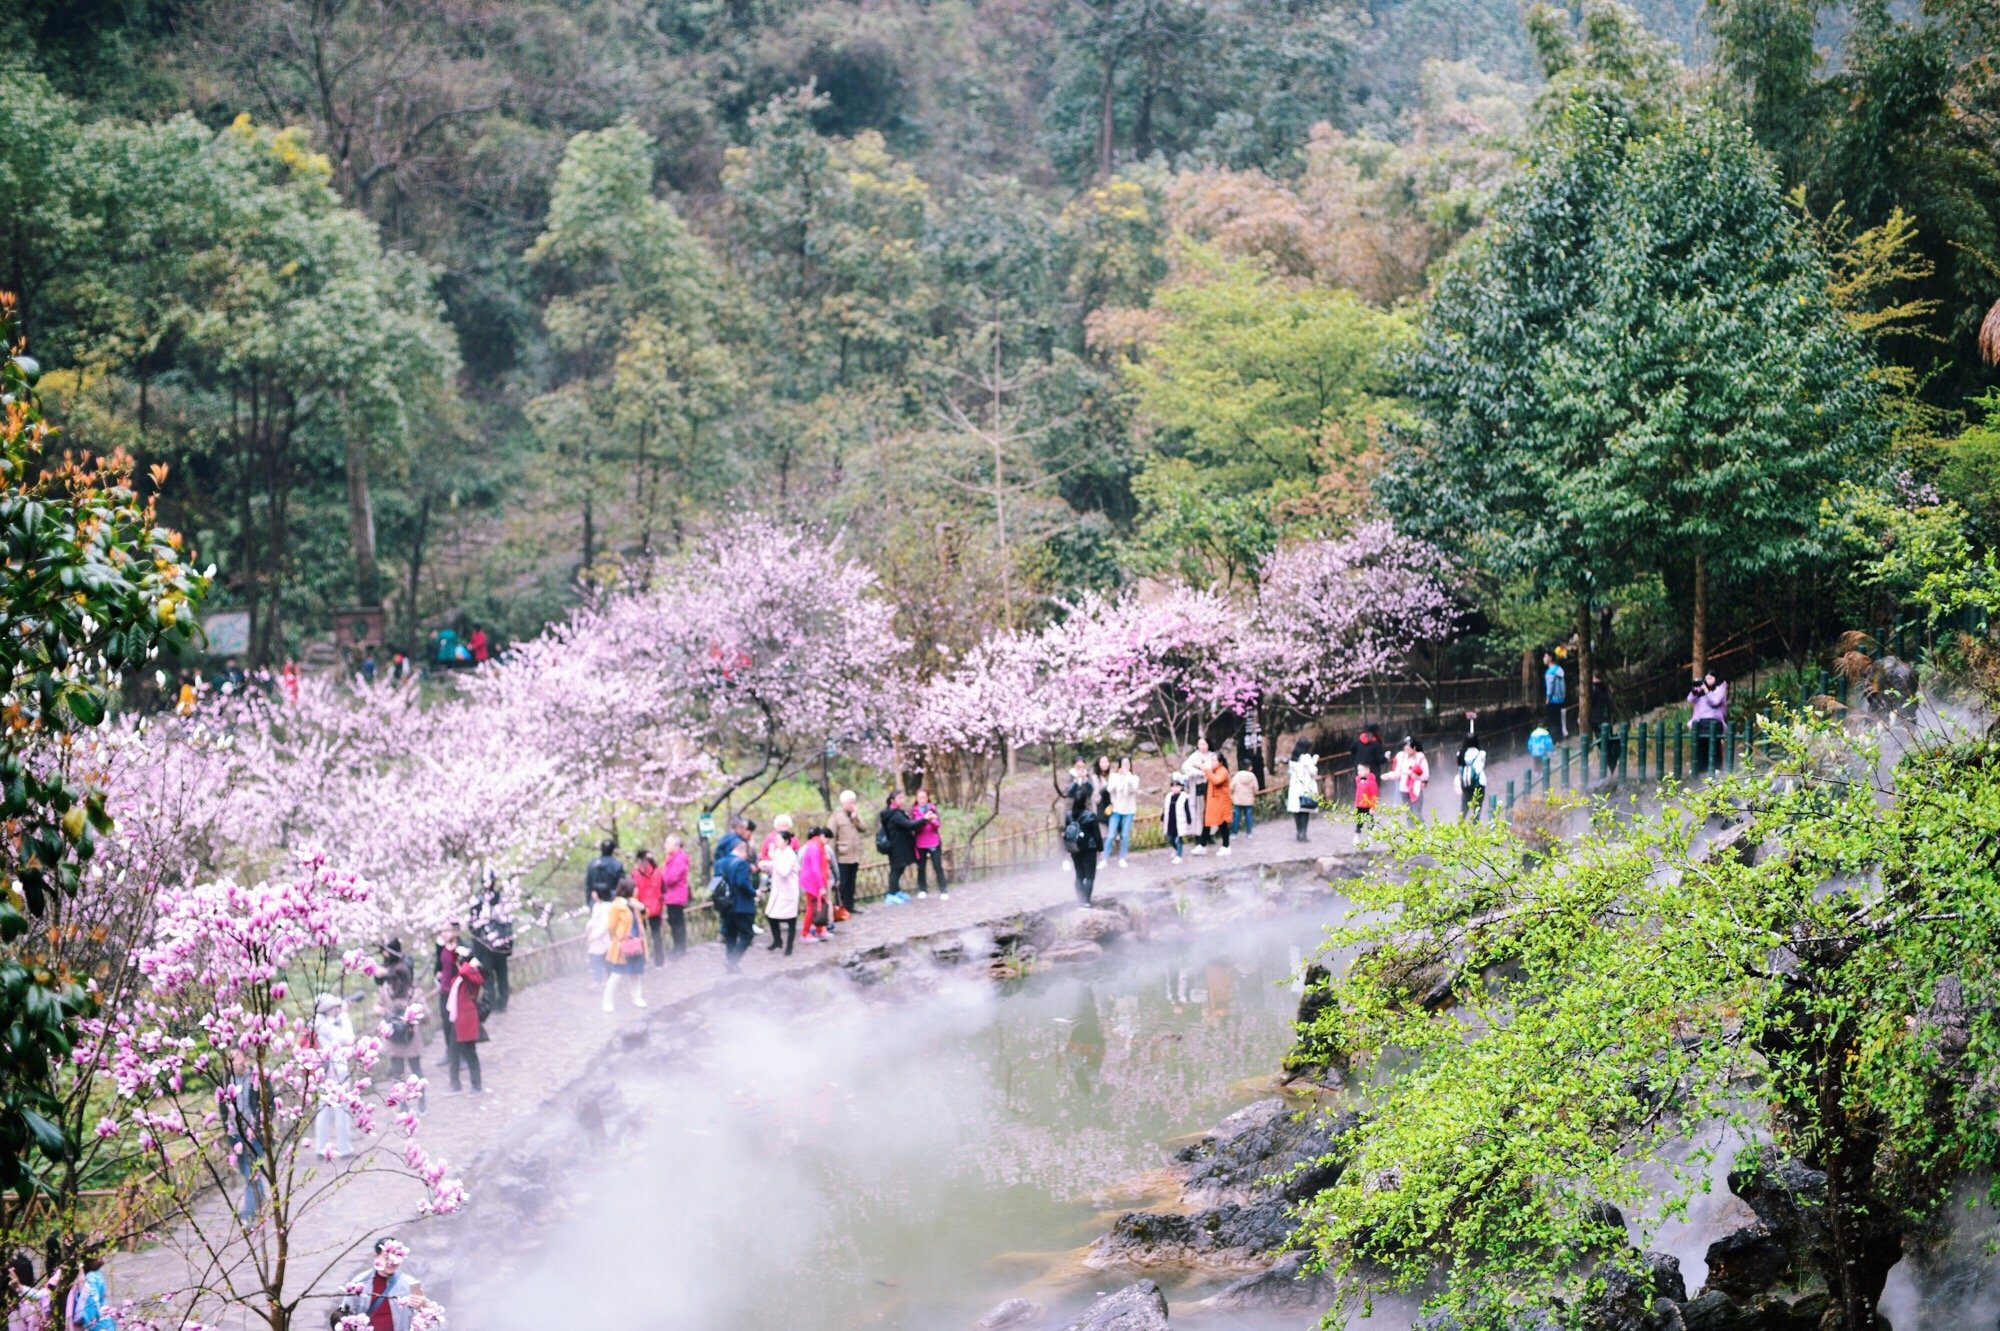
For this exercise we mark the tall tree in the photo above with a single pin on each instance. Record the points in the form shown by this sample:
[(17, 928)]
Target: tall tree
[(635, 316)]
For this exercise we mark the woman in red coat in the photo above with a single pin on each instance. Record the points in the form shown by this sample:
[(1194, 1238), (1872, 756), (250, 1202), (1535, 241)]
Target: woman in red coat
[(462, 1011)]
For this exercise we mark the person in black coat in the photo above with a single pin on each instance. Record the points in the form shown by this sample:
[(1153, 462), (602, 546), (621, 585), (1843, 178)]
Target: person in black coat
[(900, 828), (1369, 755), (601, 875), (1083, 836)]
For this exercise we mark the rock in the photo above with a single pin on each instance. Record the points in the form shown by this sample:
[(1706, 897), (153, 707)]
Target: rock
[(1093, 924), (1747, 1261), (1287, 1284), (1712, 1310), (1069, 952), (1011, 1313), (1229, 1235), (1789, 1197), (1645, 1300), (1138, 1307), (1265, 1139)]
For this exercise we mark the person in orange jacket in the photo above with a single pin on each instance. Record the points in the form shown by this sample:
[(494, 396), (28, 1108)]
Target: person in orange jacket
[(1218, 811)]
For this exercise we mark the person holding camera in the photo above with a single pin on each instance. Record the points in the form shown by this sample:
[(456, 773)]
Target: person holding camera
[(1710, 700), (464, 1011), (398, 1009)]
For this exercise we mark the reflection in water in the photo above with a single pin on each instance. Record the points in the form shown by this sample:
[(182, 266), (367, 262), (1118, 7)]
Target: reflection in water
[(908, 1165)]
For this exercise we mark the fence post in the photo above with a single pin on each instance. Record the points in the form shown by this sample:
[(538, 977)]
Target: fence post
[(1510, 790), (1642, 748), (1729, 730), (1680, 739), (1566, 765)]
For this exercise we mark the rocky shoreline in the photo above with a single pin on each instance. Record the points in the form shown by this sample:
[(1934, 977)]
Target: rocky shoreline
[(519, 1188)]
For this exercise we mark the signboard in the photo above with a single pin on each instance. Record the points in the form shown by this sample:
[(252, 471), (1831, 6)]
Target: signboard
[(358, 627), (228, 632), (705, 825)]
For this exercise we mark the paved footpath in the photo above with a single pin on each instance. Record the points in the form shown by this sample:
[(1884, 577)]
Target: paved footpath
[(552, 1033)]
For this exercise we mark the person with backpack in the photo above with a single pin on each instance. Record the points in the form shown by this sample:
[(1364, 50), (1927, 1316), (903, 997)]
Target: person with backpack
[(1083, 836), (896, 836), (462, 1004), (850, 836), (734, 897), (1302, 786), (493, 937), (1471, 780), (1555, 693), (601, 875), (625, 957)]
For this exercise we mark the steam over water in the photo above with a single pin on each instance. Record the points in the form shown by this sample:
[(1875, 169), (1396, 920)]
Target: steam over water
[(909, 1164)]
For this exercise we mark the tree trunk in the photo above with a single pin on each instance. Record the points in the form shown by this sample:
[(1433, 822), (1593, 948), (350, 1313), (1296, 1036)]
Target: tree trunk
[(1106, 87), (589, 538), (361, 517), (1583, 666), (413, 610), (1529, 675), (1700, 615)]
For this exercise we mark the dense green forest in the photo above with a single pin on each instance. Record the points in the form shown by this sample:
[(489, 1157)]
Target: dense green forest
[(462, 305)]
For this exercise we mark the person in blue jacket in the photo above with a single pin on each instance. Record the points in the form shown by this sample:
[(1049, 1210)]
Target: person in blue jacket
[(739, 913)]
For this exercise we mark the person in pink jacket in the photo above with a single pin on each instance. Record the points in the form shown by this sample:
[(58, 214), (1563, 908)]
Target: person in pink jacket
[(815, 872), (673, 897), (930, 844)]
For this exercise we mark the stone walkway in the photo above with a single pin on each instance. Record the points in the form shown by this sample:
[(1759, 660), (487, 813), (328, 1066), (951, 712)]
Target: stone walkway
[(553, 1032)]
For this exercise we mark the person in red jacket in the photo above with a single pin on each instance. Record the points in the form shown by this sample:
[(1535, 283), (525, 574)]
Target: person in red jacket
[(461, 1007), (649, 885)]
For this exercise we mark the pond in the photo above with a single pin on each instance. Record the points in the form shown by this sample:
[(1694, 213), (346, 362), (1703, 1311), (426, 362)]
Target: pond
[(910, 1164)]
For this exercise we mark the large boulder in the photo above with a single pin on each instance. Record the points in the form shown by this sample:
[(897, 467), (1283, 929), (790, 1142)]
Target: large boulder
[(1263, 1141), (1094, 924), (1748, 1261), (1229, 1235), (1647, 1299), (1137, 1307)]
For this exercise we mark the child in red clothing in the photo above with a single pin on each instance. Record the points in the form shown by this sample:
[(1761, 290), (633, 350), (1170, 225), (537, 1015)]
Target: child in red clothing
[(1367, 790)]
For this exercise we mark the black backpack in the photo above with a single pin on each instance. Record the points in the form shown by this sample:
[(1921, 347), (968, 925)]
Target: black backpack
[(1072, 835), (883, 841), (603, 875)]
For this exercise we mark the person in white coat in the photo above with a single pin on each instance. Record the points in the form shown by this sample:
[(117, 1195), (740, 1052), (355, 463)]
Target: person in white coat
[(1412, 771), (781, 908), (333, 1032), (1302, 787)]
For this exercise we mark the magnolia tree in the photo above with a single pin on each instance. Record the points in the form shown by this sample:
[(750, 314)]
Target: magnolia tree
[(1336, 615), (219, 1074)]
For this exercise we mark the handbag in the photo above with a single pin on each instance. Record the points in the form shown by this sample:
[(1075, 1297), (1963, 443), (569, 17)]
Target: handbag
[(1307, 803), (633, 945)]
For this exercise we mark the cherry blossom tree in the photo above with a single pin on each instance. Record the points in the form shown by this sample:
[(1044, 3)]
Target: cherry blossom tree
[(1339, 614), (218, 1076)]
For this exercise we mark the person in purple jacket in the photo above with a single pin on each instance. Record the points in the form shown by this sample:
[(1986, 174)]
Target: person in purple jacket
[(1710, 698)]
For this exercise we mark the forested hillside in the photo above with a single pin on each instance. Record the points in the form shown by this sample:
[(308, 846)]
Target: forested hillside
[(466, 305)]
